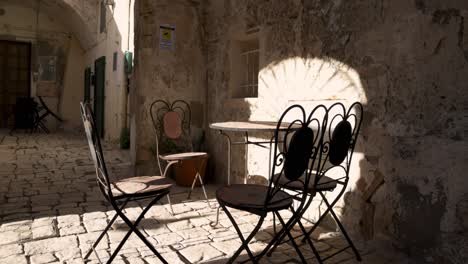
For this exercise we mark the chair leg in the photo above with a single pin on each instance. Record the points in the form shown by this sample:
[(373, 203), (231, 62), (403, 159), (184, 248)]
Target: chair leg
[(279, 236), (274, 224), (204, 191), (133, 228), (311, 244), (291, 238), (198, 176), (92, 249), (122, 242), (170, 204), (213, 224), (343, 231), (245, 241), (40, 125), (324, 214), (193, 186), (278, 239)]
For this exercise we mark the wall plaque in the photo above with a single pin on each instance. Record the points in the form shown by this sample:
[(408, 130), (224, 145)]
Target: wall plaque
[(47, 76), (166, 37), (47, 68)]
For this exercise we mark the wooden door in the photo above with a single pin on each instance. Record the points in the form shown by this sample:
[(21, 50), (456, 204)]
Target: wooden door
[(15, 79), (99, 87)]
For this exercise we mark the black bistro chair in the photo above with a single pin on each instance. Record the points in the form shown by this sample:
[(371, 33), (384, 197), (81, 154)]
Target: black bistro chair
[(119, 193), (339, 141), (25, 114), (295, 154)]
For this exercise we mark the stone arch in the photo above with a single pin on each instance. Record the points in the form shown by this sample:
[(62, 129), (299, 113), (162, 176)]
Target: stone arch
[(79, 16)]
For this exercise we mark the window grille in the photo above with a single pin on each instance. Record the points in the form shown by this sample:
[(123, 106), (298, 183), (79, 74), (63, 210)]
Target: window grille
[(250, 65)]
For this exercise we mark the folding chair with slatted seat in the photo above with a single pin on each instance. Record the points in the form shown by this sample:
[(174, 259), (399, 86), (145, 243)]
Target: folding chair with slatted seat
[(172, 125), (119, 193), (295, 153), (338, 147)]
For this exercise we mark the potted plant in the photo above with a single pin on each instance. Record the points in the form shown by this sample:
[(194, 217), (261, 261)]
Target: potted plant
[(184, 171)]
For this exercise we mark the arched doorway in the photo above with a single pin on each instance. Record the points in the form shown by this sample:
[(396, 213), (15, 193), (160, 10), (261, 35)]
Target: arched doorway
[(39, 39)]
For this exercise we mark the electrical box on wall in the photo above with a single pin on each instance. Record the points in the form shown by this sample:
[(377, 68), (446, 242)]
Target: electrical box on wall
[(128, 62)]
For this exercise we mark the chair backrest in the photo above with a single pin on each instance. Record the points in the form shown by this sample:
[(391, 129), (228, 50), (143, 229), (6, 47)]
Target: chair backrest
[(171, 122), (47, 110), (43, 104), (296, 148), (95, 148), (339, 141)]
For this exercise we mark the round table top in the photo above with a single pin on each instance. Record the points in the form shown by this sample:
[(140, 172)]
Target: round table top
[(248, 126), (184, 156)]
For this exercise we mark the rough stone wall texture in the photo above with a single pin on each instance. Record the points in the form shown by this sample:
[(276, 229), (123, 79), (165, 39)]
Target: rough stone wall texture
[(407, 61), (165, 74), (68, 29)]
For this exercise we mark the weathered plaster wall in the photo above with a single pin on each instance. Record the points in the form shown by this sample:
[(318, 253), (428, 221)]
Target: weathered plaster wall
[(165, 74), (69, 29), (78, 16), (73, 83), (48, 37), (117, 38), (406, 61)]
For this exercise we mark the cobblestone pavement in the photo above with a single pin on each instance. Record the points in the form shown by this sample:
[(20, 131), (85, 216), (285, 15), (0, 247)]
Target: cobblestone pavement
[(51, 211)]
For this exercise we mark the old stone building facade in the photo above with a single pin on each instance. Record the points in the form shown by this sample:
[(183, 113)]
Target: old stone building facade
[(74, 34), (406, 61)]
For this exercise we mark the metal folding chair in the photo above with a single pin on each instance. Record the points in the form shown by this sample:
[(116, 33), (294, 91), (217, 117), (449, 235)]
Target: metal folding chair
[(171, 122), (43, 111), (295, 154), (335, 159), (119, 193), (24, 114)]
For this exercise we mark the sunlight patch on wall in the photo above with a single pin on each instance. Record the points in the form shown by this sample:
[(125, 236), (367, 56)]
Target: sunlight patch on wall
[(306, 81)]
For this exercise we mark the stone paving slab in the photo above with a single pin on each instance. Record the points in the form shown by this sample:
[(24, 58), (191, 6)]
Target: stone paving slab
[(51, 211)]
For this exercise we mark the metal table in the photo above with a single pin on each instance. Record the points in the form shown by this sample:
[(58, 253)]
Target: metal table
[(246, 127)]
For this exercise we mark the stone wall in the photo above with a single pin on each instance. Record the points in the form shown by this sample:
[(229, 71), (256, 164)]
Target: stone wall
[(406, 61), (116, 38), (69, 30), (167, 74), (28, 22)]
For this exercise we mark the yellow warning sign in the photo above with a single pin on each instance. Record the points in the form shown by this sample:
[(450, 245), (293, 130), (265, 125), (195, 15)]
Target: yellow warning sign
[(166, 37), (166, 34)]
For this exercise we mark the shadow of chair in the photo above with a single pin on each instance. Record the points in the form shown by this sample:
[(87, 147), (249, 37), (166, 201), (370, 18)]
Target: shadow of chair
[(343, 126), (120, 193), (173, 144)]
